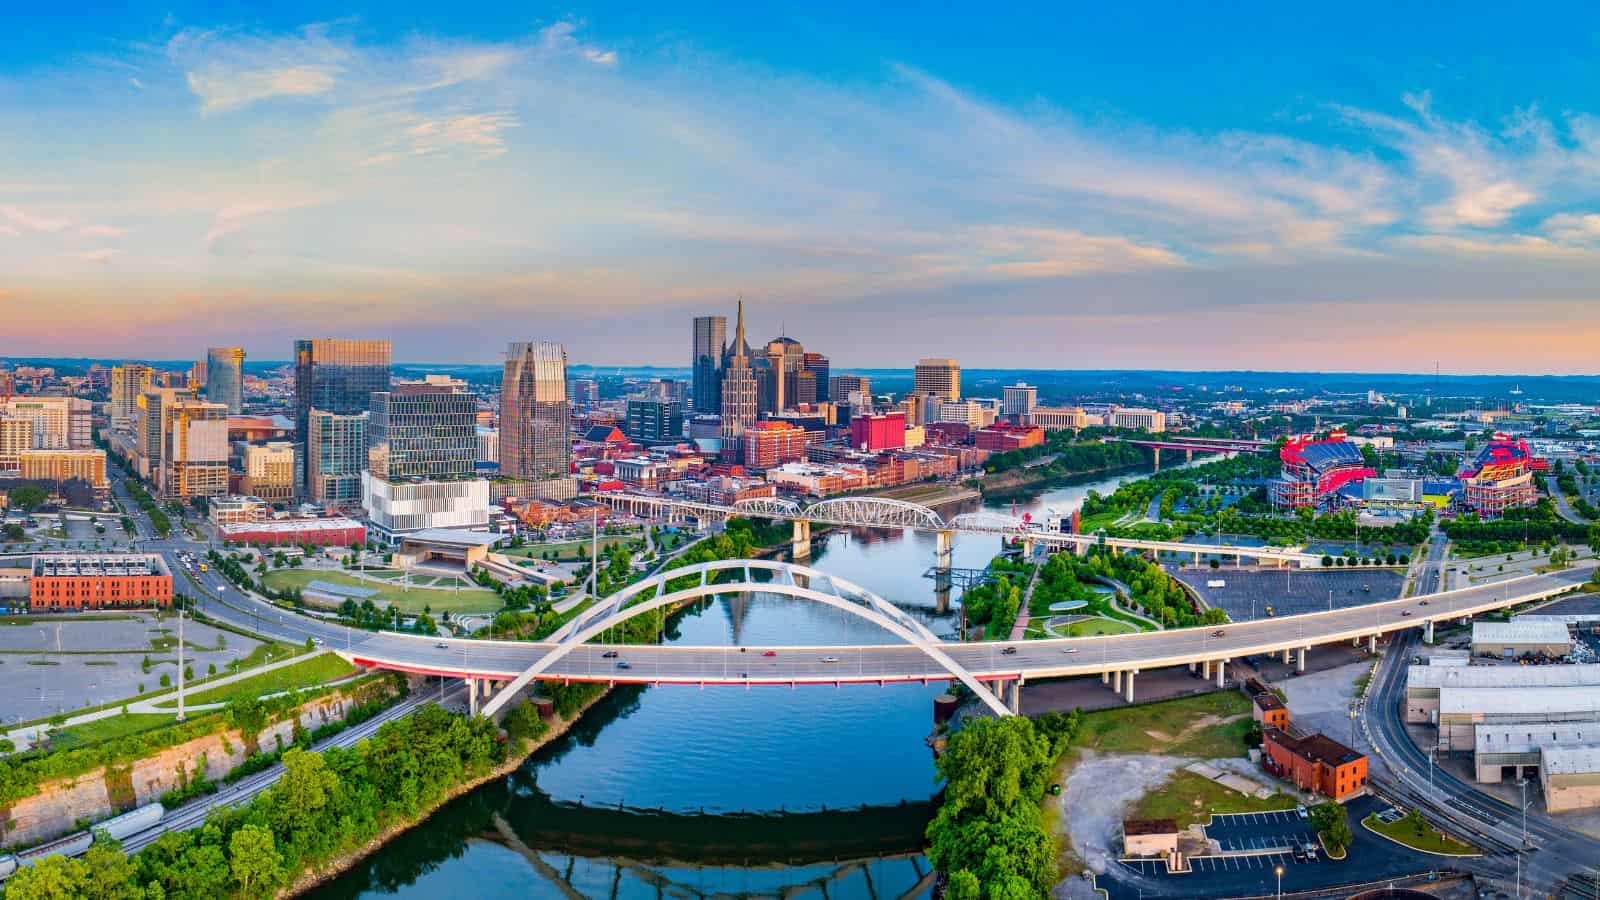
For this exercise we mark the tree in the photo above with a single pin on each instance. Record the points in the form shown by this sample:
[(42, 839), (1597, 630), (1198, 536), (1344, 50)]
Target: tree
[(254, 860), (311, 644), (1332, 821), (14, 532), (28, 497)]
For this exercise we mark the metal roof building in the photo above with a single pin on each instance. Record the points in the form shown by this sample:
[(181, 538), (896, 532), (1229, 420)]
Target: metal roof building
[(1527, 636)]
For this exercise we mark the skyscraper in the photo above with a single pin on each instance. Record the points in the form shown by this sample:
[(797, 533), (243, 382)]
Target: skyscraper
[(128, 382), (938, 376), (739, 394), (710, 334), (225, 377), (535, 418), (335, 454), (1019, 401), (422, 453), (819, 366), (336, 376)]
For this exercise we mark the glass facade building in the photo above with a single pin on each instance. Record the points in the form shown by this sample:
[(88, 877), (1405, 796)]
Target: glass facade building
[(535, 418), (710, 334), (336, 452), (337, 376), (225, 377), (653, 420), (421, 430)]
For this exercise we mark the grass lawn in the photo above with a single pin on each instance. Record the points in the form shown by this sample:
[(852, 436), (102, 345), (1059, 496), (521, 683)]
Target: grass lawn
[(1429, 841), (1098, 626), (1190, 798), (106, 729), (307, 673), (411, 602), (1189, 726)]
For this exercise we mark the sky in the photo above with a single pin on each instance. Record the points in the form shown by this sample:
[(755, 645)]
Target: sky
[(1188, 186)]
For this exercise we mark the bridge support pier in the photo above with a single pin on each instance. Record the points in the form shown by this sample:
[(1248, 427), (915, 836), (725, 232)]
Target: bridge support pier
[(1286, 654), (1015, 702), (1116, 681), (1105, 677), (943, 548), (1372, 644), (472, 696), (1156, 451), (1427, 633), (1128, 694), (801, 544), (1222, 672), (1188, 456), (1300, 665), (1205, 668)]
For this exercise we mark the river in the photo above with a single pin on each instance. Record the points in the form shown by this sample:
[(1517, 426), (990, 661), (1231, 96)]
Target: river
[(675, 791)]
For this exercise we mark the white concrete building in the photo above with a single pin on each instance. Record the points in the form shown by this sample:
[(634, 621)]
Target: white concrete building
[(1522, 636), (398, 507)]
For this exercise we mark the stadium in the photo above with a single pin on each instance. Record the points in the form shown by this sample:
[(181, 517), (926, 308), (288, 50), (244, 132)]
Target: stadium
[(1499, 477), (1315, 470)]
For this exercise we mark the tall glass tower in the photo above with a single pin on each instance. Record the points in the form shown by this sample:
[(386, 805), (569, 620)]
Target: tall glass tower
[(710, 333), (225, 377), (336, 376), (422, 430), (535, 417)]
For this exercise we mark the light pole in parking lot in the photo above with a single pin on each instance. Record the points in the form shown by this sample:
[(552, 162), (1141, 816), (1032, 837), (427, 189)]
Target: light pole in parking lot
[(1279, 872)]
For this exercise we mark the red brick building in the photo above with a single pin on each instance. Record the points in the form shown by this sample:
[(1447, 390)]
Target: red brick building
[(1266, 708), (98, 581), (1000, 438), (769, 444), (873, 433), (1315, 763)]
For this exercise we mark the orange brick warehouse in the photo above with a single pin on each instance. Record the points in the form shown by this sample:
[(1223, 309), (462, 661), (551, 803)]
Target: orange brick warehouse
[(98, 581)]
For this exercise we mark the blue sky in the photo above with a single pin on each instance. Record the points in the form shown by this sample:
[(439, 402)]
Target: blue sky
[(1355, 187)]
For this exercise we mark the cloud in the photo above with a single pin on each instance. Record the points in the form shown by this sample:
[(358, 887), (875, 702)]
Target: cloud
[(229, 70), (33, 222), (227, 233), (561, 39), (101, 231), (100, 256)]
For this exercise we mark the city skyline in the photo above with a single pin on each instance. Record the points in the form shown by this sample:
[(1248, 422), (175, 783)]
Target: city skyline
[(1105, 195)]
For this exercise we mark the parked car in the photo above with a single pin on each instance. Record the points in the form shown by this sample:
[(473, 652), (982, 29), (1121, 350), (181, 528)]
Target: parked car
[(609, 654)]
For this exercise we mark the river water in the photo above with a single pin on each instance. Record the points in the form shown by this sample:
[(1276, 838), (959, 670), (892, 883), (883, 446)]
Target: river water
[(675, 791)]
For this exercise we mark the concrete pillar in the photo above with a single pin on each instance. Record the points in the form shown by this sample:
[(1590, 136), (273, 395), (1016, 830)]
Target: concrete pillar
[(1128, 694), (1427, 633), (1222, 672), (944, 542), (1188, 455), (801, 544), (1191, 668), (1205, 668), (1301, 665), (472, 696), (1016, 697), (1372, 644), (1286, 654), (1197, 559), (1116, 681), (1105, 677), (1157, 452)]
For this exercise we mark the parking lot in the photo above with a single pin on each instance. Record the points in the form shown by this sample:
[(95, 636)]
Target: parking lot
[(1247, 593), (1245, 871)]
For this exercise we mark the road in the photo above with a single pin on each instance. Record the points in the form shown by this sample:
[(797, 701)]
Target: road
[(1554, 851), (194, 813), (1563, 506)]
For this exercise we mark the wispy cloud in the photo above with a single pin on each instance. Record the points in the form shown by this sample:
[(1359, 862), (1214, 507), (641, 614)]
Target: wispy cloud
[(228, 70), (32, 221)]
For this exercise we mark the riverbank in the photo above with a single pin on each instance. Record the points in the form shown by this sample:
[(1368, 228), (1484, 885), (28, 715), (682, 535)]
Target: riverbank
[(1018, 482), (514, 760), (934, 494)]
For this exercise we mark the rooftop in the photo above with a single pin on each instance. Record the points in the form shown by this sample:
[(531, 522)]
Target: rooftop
[(452, 537), (288, 526), (1521, 630), (1500, 702), (1316, 748), (98, 565), (1437, 676), (1529, 736), (1149, 826), (1571, 760)]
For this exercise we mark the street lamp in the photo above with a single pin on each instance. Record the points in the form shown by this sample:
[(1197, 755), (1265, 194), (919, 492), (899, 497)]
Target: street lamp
[(1279, 872)]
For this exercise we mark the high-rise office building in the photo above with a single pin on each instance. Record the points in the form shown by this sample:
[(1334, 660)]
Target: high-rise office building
[(336, 376), (938, 376), (422, 460), (841, 387), (653, 420), (710, 334), (269, 470), (422, 430), (740, 394), (128, 382), (196, 455), (1018, 401), (225, 377), (819, 366), (785, 357), (336, 452), (535, 417)]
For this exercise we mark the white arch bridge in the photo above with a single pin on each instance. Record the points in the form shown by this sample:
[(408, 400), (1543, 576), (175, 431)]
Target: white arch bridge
[(988, 668)]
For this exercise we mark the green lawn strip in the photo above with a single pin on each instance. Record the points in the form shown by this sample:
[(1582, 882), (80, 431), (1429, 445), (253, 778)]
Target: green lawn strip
[(306, 673), (1099, 626), (86, 617), (411, 602), (1160, 727), (1431, 840), (573, 550), (106, 729), (1189, 798)]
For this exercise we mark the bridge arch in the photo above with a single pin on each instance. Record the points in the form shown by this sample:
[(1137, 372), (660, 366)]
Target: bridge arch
[(775, 507), (881, 512), (988, 521), (652, 594)]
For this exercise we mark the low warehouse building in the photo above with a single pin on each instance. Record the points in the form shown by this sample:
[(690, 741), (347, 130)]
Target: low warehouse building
[(1315, 763), (68, 581), (1149, 837), (1463, 710), (1512, 751), (1571, 778), (1527, 636), (1423, 683)]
